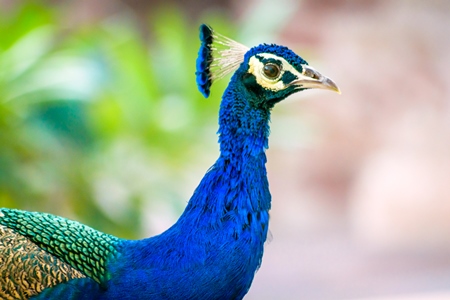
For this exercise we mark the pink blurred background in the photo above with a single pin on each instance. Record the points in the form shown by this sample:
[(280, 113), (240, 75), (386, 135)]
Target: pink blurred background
[(362, 204)]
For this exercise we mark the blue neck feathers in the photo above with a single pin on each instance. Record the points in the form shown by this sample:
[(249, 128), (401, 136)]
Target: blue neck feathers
[(236, 186)]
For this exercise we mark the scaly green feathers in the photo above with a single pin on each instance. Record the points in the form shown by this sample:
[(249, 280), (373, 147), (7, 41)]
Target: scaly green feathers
[(80, 246)]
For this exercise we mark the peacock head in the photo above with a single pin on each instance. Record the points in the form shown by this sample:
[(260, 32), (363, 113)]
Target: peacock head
[(270, 72)]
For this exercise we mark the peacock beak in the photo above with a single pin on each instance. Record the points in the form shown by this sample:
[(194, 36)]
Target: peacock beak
[(312, 79)]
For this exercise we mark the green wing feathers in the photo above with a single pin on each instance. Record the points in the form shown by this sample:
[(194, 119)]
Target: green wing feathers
[(40, 250)]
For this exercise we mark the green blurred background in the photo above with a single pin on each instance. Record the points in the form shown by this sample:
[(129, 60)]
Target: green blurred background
[(101, 122), (99, 111)]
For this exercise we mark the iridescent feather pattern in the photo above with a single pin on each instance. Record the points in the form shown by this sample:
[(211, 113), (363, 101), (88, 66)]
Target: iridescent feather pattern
[(77, 245), (217, 57), (26, 270)]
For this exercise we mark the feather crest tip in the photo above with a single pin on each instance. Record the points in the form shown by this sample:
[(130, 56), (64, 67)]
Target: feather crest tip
[(217, 57)]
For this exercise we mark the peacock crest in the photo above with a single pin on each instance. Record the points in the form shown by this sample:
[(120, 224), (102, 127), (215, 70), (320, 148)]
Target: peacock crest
[(217, 57)]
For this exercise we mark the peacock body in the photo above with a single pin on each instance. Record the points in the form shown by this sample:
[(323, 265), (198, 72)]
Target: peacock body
[(216, 246)]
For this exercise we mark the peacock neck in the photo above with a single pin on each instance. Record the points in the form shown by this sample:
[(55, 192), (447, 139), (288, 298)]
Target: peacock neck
[(236, 186), (243, 128)]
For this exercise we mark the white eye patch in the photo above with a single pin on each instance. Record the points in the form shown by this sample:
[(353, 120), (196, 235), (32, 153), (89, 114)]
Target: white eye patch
[(256, 67)]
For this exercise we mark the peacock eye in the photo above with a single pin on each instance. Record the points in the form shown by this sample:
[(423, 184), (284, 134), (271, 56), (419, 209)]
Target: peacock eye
[(271, 71)]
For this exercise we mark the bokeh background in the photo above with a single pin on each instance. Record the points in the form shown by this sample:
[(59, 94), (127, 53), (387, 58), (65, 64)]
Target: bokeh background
[(101, 122)]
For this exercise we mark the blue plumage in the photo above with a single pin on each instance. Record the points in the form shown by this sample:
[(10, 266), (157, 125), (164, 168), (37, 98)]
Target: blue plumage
[(216, 246), (203, 60)]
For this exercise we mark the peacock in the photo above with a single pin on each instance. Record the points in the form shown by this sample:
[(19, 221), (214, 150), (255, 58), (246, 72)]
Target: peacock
[(215, 248)]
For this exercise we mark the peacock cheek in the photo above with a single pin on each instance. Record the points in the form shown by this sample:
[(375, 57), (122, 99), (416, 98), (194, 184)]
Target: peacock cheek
[(250, 83), (258, 95)]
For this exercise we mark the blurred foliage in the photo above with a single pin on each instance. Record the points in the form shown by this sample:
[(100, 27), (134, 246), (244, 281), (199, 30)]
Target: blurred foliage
[(97, 120)]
